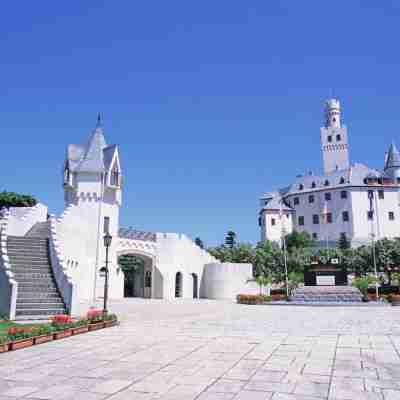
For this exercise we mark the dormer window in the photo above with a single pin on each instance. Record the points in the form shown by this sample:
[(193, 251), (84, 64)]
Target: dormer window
[(301, 186), (114, 178), (326, 183), (342, 181), (313, 185)]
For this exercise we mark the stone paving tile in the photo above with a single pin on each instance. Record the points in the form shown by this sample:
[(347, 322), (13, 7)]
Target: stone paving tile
[(210, 350)]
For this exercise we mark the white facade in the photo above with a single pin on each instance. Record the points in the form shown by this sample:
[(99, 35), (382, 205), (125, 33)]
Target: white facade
[(175, 267), (353, 200)]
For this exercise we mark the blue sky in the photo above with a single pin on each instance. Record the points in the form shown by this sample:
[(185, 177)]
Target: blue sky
[(211, 102)]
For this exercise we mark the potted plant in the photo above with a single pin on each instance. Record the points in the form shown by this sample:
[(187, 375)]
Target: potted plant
[(20, 337), (80, 326), (4, 344), (395, 300), (43, 334), (96, 319), (62, 325), (110, 320), (362, 284)]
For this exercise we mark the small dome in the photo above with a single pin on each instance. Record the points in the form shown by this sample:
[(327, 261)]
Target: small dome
[(332, 104)]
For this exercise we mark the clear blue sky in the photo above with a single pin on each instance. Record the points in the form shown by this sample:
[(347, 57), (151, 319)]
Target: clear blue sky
[(211, 102)]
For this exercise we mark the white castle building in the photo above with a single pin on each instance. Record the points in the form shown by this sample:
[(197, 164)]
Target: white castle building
[(49, 264), (349, 199)]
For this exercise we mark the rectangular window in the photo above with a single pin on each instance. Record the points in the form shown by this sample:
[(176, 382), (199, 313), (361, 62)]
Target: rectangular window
[(311, 198), (259, 221), (106, 225), (301, 221), (296, 201), (329, 139), (391, 216), (370, 215), (315, 219), (328, 196), (314, 236), (381, 194), (345, 216), (273, 222), (329, 218), (343, 194), (338, 138)]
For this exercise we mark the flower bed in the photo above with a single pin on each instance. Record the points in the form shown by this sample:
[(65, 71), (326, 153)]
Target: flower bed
[(60, 327)]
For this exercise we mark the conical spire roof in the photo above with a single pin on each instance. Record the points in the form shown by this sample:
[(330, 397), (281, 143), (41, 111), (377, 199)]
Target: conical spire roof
[(93, 160), (393, 157)]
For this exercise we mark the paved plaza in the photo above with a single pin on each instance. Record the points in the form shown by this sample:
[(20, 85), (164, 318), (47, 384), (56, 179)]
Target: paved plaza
[(209, 350)]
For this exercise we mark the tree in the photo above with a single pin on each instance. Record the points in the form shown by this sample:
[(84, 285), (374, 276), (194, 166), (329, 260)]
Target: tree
[(230, 239), (12, 199), (199, 242), (298, 240), (343, 243), (264, 280), (241, 253)]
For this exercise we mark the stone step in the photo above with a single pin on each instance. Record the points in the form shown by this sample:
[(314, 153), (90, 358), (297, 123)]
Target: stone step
[(24, 312), (40, 300), (26, 240), (28, 264), (20, 276), (36, 286), (40, 306), (38, 295)]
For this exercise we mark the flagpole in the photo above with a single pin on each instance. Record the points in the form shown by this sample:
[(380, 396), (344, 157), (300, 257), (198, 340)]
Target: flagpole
[(283, 239), (371, 209)]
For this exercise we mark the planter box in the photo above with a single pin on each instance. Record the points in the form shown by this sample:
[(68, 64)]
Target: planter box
[(80, 329), (21, 344), (43, 338), (108, 324), (62, 334), (4, 347), (96, 326)]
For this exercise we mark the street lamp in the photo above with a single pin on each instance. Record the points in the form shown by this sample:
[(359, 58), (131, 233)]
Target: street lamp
[(107, 244)]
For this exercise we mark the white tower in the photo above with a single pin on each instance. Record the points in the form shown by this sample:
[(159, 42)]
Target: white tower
[(92, 192), (334, 140)]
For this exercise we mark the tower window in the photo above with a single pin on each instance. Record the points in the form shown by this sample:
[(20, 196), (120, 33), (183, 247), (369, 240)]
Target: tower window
[(381, 194), (301, 221), (311, 198), (338, 138), (345, 216), (273, 221), (329, 139), (391, 216), (315, 219), (328, 196), (343, 194), (296, 201)]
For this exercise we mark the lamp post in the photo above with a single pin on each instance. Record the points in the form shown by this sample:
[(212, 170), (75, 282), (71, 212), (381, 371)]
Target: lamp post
[(107, 244)]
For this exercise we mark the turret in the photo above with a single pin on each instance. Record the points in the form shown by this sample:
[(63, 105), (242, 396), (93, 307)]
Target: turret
[(392, 164), (334, 140)]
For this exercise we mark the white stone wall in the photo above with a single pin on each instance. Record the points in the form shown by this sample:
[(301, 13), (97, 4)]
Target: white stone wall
[(21, 219), (335, 154), (227, 280), (272, 225)]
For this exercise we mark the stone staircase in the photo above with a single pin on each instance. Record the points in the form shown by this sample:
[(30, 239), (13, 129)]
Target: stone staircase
[(38, 295), (327, 294)]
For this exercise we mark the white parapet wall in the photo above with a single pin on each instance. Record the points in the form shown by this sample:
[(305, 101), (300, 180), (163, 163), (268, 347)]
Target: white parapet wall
[(227, 280), (22, 219), (8, 285)]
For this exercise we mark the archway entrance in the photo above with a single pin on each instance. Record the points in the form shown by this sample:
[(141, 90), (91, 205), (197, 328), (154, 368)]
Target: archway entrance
[(195, 286), (137, 272), (178, 284)]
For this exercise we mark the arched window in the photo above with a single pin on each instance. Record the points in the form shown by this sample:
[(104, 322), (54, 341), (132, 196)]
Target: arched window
[(301, 186), (326, 183), (147, 279), (313, 185), (342, 180), (178, 284)]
